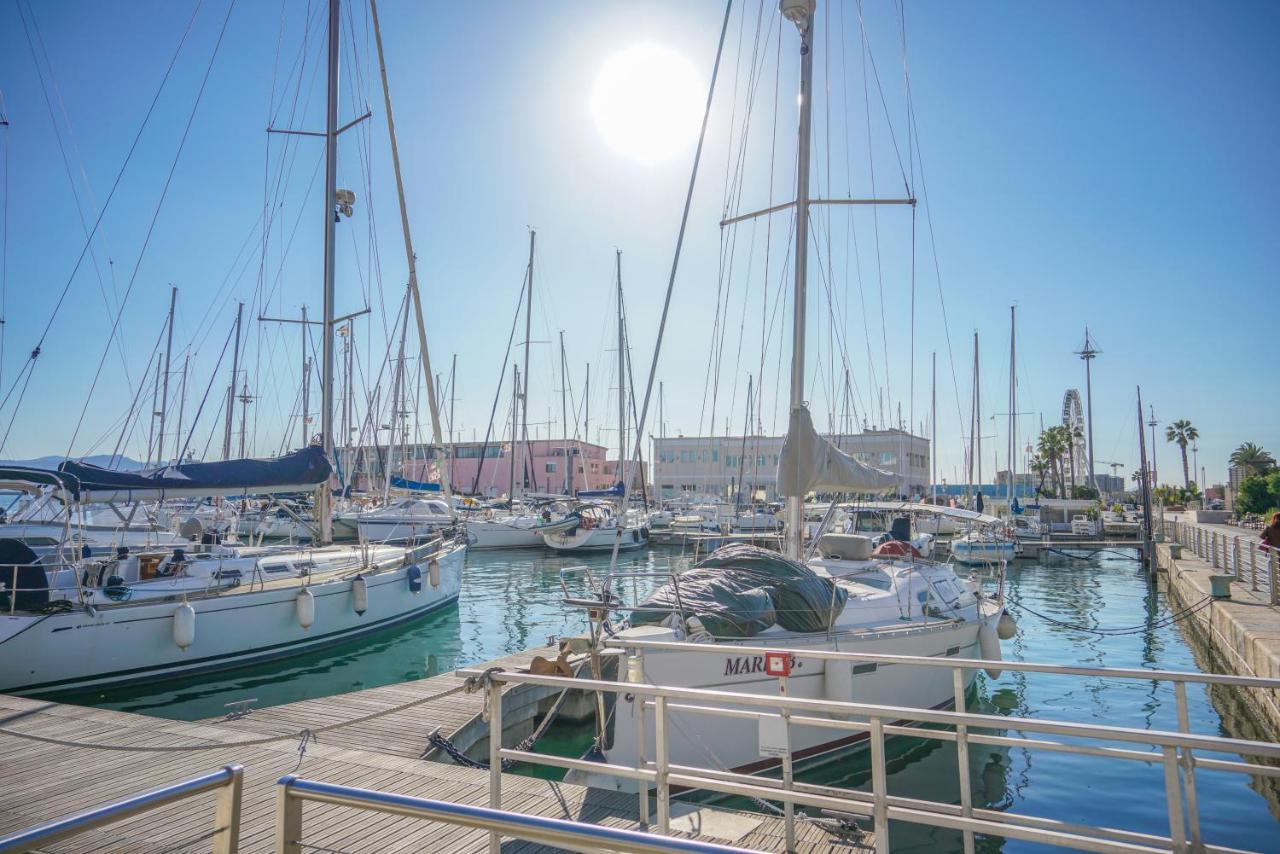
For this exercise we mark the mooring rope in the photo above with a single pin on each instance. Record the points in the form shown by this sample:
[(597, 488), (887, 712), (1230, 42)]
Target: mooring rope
[(1163, 622)]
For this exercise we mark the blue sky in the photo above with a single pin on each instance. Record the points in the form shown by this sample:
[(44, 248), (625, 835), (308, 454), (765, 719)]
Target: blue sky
[(1103, 164)]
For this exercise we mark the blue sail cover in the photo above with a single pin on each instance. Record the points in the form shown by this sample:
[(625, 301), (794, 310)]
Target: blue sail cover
[(296, 472), (615, 491), (413, 485)]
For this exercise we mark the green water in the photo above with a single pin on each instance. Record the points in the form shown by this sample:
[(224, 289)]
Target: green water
[(511, 601)]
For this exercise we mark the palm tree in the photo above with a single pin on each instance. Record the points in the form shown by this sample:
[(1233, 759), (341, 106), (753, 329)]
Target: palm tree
[(1039, 467), (1183, 433), (1051, 447), (1252, 459)]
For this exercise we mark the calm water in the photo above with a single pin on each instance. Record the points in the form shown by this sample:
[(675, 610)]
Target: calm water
[(511, 601)]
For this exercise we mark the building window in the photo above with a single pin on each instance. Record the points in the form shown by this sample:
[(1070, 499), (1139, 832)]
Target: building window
[(715, 456), (551, 467)]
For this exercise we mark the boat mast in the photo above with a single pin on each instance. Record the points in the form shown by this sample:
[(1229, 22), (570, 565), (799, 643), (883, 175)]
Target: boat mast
[(515, 409), (231, 387), (425, 355), (1013, 406), (182, 405), (306, 380), (622, 381), (453, 399), (323, 499), (586, 418), (564, 418), (524, 388), (933, 431), (800, 13), (1088, 354), (977, 412), (164, 394)]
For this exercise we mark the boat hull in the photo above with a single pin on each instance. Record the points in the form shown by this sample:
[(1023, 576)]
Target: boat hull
[(733, 743), (596, 539), (134, 642), (981, 553)]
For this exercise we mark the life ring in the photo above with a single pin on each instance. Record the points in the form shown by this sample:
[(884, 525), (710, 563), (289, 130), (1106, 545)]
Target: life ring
[(488, 514)]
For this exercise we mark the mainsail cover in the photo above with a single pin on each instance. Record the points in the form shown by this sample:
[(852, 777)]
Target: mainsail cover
[(296, 472), (809, 463)]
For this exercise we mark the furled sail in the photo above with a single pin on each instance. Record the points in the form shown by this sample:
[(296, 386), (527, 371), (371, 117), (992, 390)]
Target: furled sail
[(296, 472), (615, 491), (809, 463)]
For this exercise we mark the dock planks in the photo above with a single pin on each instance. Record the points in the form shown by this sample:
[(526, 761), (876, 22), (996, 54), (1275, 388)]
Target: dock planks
[(40, 781)]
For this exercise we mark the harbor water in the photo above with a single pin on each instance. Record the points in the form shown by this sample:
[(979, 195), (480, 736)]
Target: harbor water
[(511, 601)]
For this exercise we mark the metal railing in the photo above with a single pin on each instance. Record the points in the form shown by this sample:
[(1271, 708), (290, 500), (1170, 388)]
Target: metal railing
[(1242, 555), (227, 781), (1175, 751), (556, 832)]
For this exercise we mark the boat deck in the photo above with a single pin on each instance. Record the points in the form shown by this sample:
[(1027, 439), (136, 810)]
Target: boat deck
[(40, 780)]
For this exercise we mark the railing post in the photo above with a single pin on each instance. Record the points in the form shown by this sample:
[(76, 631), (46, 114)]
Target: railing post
[(879, 786), (1235, 557), (1271, 576), (962, 757), (1188, 766), (494, 706), (788, 775), (640, 760), (1253, 565), (1173, 799), (226, 814), (288, 819), (661, 758)]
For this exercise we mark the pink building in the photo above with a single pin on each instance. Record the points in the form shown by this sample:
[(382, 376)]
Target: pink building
[(540, 466)]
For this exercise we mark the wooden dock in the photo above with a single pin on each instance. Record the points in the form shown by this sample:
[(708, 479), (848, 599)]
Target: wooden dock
[(41, 780)]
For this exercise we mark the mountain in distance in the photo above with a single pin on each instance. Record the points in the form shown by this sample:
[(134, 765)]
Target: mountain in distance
[(52, 461)]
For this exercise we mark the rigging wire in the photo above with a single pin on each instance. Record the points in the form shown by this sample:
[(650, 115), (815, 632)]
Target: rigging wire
[(35, 351), (154, 219)]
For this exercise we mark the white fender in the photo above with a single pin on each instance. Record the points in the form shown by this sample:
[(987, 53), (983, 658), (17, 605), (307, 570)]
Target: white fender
[(305, 604), (839, 680), (989, 643), (184, 625), (1007, 626), (433, 572), (359, 594)]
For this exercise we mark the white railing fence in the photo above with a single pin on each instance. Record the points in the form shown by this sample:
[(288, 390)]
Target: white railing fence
[(227, 782), (1242, 555), (1175, 751)]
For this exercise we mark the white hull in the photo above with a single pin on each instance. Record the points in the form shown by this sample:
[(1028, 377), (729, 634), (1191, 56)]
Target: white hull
[(393, 530), (43, 538), (596, 539), (494, 534), (967, 552), (733, 743), (134, 641)]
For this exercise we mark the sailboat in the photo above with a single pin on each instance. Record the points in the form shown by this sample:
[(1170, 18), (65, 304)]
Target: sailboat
[(838, 598), (601, 527), (156, 613)]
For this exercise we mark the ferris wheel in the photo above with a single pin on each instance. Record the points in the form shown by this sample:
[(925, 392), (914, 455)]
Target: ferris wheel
[(1072, 411), (1073, 420)]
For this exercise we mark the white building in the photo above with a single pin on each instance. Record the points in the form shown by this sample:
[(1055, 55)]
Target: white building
[(719, 466)]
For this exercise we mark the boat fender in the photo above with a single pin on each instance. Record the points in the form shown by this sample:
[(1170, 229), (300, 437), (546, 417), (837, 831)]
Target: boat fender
[(184, 625), (989, 644), (414, 574), (305, 604), (1007, 626), (359, 595), (838, 676), (433, 572)]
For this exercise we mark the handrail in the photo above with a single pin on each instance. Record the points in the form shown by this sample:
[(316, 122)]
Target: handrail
[(1173, 750), (228, 780), (974, 663), (555, 832)]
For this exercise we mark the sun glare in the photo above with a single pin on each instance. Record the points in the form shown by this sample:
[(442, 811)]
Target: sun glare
[(647, 103)]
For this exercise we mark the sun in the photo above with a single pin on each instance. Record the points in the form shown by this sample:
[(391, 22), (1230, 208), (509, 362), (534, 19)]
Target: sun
[(647, 103)]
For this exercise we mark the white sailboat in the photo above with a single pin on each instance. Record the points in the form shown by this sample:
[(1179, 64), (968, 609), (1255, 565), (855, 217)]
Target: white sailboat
[(158, 613), (601, 528), (901, 605)]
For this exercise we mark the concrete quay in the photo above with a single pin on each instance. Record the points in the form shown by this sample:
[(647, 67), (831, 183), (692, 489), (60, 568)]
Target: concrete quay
[(1243, 631)]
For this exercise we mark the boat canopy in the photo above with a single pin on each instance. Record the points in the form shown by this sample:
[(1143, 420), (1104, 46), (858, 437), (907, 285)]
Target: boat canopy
[(615, 491), (414, 485), (810, 463), (930, 509), (299, 471)]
